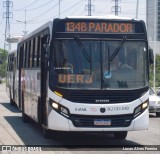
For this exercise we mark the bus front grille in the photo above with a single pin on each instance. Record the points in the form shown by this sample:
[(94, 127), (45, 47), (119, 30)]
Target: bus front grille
[(102, 96), (115, 121)]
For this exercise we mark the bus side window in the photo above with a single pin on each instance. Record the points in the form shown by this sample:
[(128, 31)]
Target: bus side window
[(27, 47), (33, 52), (9, 63), (15, 64), (21, 56), (25, 60), (18, 58), (12, 63), (39, 51), (24, 52), (28, 54)]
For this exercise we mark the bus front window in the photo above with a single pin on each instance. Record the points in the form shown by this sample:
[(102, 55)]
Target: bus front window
[(88, 64), (128, 69)]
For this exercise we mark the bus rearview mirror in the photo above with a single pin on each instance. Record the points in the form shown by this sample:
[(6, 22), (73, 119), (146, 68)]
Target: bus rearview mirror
[(151, 56)]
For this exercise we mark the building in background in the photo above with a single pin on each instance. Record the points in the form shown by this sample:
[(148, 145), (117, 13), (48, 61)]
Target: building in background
[(153, 24)]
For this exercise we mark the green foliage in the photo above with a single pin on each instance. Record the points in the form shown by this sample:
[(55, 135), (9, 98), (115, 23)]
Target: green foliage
[(3, 59), (157, 84)]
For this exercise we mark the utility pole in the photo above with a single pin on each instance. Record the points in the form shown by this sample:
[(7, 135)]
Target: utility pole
[(90, 7), (25, 23), (59, 8), (116, 8), (137, 9), (7, 4), (155, 42)]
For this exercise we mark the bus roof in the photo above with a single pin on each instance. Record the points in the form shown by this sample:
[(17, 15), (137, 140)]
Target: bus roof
[(100, 17), (39, 29)]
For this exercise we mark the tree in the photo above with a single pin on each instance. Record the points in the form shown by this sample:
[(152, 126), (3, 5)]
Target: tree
[(157, 83), (3, 62)]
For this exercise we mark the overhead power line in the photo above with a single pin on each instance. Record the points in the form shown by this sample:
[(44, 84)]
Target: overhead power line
[(27, 6), (33, 9), (33, 21), (44, 12), (77, 8), (71, 7)]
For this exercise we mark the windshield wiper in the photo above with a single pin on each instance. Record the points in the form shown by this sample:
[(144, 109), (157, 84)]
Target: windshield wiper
[(118, 49), (78, 41)]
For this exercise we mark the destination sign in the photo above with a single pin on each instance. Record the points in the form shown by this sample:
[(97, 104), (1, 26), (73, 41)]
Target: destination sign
[(101, 27)]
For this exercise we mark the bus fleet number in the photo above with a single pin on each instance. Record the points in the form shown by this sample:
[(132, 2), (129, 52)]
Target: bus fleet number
[(72, 27)]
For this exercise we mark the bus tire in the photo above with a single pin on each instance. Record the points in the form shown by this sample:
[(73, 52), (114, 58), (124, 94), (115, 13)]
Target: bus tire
[(157, 114), (25, 118), (120, 135)]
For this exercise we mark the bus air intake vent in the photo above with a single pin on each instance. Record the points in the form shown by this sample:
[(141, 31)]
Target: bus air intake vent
[(103, 96)]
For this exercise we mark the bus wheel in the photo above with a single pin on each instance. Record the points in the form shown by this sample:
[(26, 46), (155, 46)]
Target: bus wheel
[(25, 118), (120, 135), (157, 114)]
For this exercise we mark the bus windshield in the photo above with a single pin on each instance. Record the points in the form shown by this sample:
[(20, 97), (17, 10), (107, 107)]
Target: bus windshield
[(127, 70)]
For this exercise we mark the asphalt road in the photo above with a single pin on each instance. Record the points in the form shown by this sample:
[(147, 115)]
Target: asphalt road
[(14, 132)]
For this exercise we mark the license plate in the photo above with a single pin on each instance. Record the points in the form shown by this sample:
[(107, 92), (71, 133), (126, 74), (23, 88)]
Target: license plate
[(102, 122), (150, 107)]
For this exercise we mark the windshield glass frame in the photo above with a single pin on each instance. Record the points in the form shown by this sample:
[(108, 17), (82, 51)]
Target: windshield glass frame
[(90, 64)]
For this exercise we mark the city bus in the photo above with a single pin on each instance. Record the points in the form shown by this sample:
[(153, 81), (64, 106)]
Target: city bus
[(11, 82), (85, 74)]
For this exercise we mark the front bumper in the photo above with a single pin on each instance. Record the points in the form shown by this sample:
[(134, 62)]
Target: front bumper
[(61, 123)]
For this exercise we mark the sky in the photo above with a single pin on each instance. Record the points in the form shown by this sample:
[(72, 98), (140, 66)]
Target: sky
[(39, 12)]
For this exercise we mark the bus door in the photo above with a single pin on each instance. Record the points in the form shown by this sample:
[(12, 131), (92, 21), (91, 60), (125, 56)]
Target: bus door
[(20, 63), (14, 78), (44, 71)]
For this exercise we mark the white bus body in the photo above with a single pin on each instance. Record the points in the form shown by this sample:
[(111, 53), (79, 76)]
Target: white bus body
[(54, 106)]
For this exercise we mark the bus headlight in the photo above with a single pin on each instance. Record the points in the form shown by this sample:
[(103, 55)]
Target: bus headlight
[(55, 105), (139, 109), (60, 109), (145, 105)]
